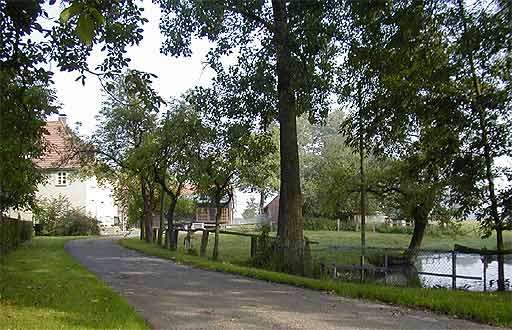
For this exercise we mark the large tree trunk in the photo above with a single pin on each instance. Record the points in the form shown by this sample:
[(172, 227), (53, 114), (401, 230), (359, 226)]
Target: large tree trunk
[(218, 212), (290, 222), (420, 226)]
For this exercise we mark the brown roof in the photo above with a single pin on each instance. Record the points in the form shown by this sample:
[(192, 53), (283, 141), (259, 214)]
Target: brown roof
[(58, 152)]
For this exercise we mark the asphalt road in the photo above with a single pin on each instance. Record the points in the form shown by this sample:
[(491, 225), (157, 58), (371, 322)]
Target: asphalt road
[(171, 296)]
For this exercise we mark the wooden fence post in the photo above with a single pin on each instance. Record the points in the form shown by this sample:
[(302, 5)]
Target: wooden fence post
[(174, 239), (454, 269), (204, 243), (386, 268)]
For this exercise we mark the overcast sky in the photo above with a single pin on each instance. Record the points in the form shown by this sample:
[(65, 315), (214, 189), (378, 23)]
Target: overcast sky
[(175, 75)]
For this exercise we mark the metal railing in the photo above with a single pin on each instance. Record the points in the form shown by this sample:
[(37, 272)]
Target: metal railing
[(429, 268)]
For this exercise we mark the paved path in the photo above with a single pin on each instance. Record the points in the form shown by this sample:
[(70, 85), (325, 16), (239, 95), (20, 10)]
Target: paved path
[(172, 296)]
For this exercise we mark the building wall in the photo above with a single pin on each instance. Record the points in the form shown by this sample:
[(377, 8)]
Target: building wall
[(75, 190), (100, 203), (272, 210), (88, 195)]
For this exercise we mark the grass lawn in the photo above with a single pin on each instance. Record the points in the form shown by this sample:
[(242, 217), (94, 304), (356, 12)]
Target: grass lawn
[(492, 308), (236, 249), (42, 287)]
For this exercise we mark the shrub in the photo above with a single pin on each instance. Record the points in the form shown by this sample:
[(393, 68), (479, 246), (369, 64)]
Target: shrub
[(56, 217), (319, 224), (388, 229), (13, 232)]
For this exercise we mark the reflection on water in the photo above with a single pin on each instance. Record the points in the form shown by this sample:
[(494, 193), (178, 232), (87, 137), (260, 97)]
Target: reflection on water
[(467, 265)]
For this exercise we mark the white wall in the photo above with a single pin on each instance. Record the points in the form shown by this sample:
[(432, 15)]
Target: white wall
[(74, 191), (100, 203), (94, 199)]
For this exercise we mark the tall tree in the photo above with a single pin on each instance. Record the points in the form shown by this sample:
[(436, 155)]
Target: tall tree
[(29, 44), (228, 149), (399, 58), (283, 56), (26, 99), (122, 141), (484, 62), (175, 151)]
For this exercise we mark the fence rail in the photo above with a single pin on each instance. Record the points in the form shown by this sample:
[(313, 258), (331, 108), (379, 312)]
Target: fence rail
[(466, 268), (13, 232)]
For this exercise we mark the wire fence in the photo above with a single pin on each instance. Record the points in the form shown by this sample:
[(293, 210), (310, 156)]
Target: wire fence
[(424, 268)]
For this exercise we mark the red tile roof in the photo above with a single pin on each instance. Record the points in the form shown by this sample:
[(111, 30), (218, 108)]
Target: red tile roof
[(58, 152)]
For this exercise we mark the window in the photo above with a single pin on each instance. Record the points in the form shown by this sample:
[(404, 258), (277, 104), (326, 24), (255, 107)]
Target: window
[(62, 179)]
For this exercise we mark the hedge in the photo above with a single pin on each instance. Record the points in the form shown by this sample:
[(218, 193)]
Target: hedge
[(13, 232)]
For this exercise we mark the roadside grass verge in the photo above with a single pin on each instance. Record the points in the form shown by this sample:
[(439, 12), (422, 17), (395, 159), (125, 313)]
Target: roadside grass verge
[(42, 287), (490, 308)]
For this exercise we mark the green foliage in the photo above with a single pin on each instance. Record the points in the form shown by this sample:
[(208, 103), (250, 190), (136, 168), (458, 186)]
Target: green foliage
[(228, 148), (26, 95), (265, 256), (316, 224), (329, 170), (26, 98), (185, 209), (251, 209), (58, 218), (13, 232)]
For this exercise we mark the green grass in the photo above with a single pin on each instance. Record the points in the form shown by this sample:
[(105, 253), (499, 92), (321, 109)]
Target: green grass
[(236, 249), (42, 287), (491, 308)]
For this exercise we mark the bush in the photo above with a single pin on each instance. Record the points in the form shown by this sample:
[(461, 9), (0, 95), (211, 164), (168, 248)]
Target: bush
[(388, 229), (13, 232), (435, 230), (56, 217), (317, 224)]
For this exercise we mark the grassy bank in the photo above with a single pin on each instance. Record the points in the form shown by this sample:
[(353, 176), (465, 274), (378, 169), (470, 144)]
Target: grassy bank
[(491, 308), (42, 287)]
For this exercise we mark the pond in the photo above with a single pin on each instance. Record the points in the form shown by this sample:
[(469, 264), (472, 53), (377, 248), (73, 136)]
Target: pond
[(467, 265)]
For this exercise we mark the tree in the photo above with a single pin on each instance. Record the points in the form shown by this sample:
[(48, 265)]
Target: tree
[(251, 210), (401, 71), (175, 151), (278, 43), (263, 176), (484, 71), (228, 148), (26, 98), (329, 169), (122, 142), (25, 84)]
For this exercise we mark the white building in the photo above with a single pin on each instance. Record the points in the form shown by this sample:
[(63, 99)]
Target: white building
[(62, 179)]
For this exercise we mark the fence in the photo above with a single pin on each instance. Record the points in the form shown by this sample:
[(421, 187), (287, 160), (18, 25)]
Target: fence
[(190, 241), (453, 269), (13, 232)]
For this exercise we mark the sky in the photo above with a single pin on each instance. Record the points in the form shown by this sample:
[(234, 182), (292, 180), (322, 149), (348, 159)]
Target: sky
[(175, 75)]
